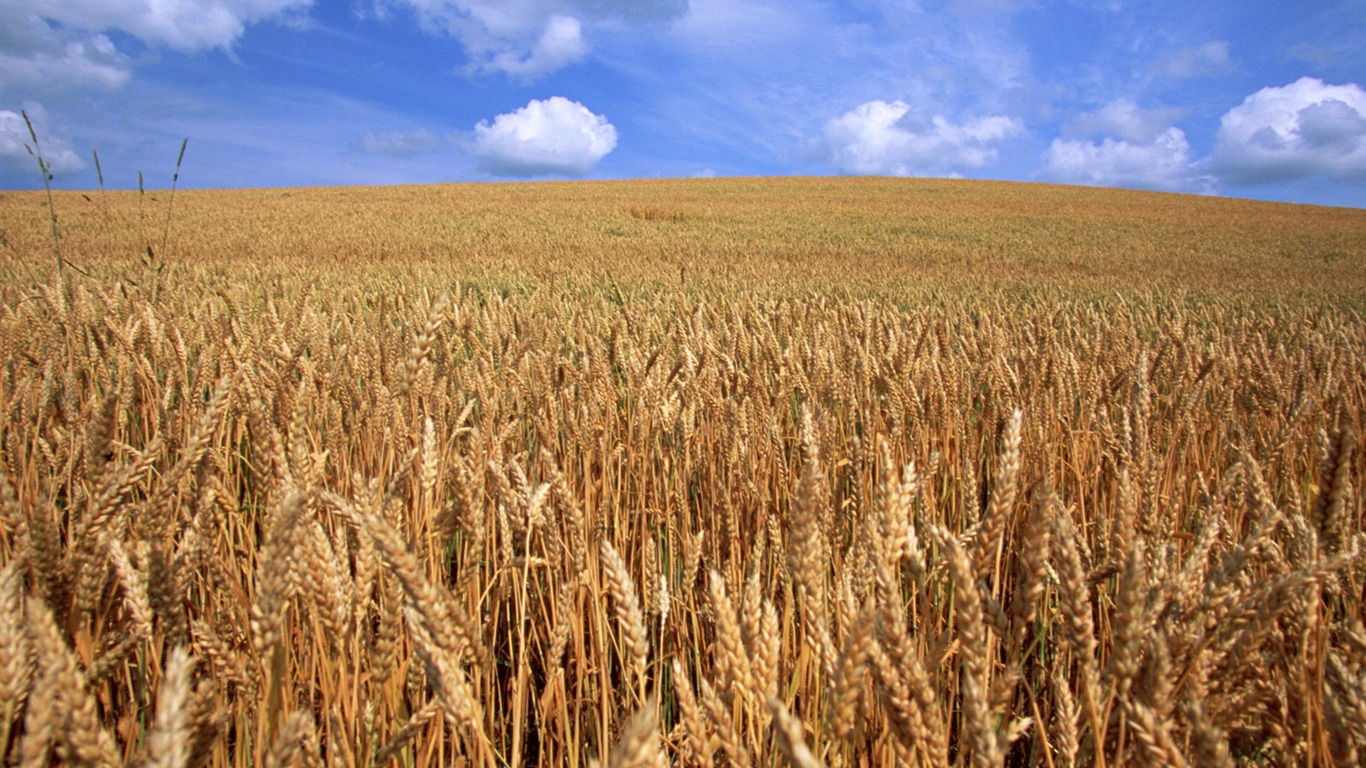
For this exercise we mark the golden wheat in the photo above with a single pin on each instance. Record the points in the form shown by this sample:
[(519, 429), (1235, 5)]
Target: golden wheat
[(721, 473)]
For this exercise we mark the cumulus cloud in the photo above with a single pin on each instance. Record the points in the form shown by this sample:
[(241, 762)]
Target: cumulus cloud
[(185, 25), (401, 143), (555, 136), (15, 141), (1163, 162), (889, 138), (1124, 145), (35, 55), (1297, 131), (527, 38)]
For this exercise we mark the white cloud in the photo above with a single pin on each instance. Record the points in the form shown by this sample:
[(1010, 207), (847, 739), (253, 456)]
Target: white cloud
[(528, 38), (50, 45), (554, 136), (1303, 129), (15, 141), (560, 44), (1162, 162), (185, 25), (34, 55), (880, 137), (400, 144), (1124, 145)]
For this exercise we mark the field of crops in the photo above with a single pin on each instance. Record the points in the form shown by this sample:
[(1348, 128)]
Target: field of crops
[(697, 473)]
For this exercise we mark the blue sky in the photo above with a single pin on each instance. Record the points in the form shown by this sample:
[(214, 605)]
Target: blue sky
[(1250, 99)]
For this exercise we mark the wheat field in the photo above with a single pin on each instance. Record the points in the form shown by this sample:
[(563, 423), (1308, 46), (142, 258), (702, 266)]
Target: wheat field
[(815, 472)]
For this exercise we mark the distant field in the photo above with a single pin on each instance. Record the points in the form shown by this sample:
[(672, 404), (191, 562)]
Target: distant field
[(878, 237), (830, 472)]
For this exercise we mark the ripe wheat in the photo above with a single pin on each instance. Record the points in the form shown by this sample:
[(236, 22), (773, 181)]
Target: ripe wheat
[(505, 507)]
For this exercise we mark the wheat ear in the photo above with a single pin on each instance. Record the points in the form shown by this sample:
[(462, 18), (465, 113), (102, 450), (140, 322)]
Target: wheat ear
[(694, 749), (629, 615), (967, 605), (638, 745), (788, 735), (168, 743)]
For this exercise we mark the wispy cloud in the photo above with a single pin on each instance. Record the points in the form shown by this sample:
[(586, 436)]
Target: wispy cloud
[(526, 39), (1205, 60), (400, 143), (753, 84), (1122, 118)]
